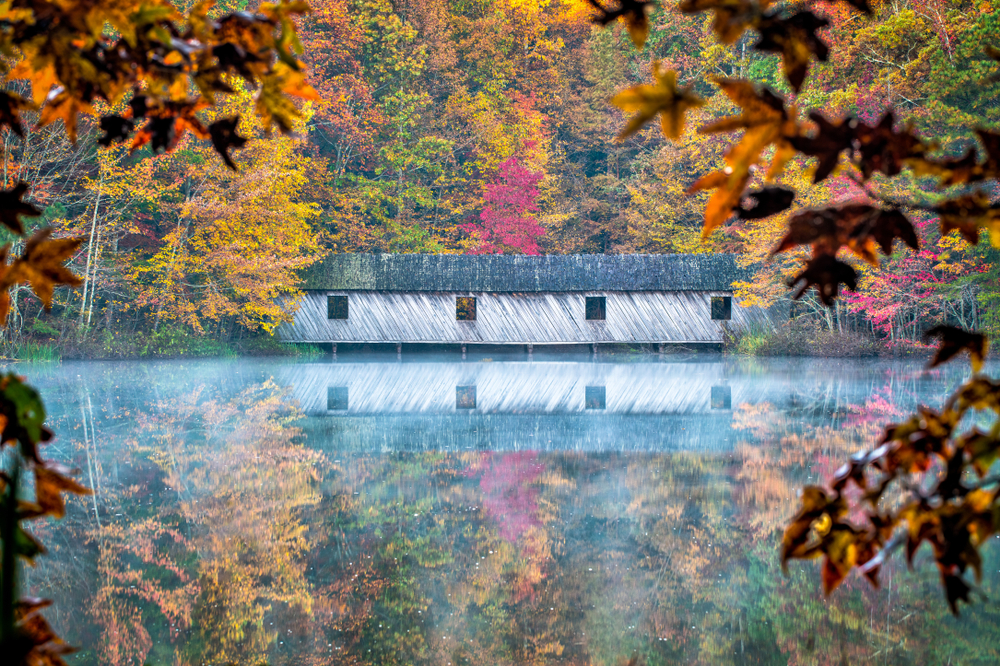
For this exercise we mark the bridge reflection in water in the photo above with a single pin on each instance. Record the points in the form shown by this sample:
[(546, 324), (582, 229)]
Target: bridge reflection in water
[(511, 406), (477, 513)]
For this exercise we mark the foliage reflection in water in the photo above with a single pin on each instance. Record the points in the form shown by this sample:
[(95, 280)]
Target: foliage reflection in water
[(234, 523)]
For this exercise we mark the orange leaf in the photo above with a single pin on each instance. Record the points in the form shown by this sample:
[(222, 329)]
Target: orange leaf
[(51, 481), (41, 265)]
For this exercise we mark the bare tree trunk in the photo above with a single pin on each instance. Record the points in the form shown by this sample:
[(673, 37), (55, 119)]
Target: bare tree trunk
[(90, 249), (93, 289)]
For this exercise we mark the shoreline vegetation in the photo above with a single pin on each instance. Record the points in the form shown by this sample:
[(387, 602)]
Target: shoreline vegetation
[(167, 343), (801, 337)]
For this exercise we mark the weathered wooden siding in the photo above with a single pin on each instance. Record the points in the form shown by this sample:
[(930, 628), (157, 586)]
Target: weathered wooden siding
[(517, 318), (515, 388)]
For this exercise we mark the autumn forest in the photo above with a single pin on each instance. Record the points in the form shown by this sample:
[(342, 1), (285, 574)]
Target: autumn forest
[(177, 171), (483, 127)]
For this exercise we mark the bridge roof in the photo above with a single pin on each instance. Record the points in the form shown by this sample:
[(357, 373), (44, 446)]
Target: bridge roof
[(523, 273)]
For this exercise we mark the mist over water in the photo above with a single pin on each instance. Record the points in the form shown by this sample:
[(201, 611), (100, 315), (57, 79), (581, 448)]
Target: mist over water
[(435, 511)]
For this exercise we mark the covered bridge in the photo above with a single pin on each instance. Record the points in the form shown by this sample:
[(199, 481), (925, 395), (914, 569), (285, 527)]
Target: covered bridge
[(524, 300)]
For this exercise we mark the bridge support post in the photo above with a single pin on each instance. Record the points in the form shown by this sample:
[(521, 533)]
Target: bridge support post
[(463, 351), (661, 350), (594, 350), (333, 349), (531, 348), (399, 351)]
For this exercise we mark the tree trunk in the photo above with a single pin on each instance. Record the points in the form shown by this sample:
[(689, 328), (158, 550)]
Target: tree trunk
[(90, 249), (93, 277)]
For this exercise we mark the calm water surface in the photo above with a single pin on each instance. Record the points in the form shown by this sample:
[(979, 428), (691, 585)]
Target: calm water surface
[(442, 512)]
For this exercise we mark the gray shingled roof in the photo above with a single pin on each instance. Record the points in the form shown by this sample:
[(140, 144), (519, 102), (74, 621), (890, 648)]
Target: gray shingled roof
[(522, 273)]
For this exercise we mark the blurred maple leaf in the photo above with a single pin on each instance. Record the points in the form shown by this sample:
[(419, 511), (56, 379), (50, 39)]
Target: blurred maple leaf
[(956, 340), (663, 98), (766, 122), (826, 273), (634, 13), (795, 39), (41, 266), (13, 208), (767, 201)]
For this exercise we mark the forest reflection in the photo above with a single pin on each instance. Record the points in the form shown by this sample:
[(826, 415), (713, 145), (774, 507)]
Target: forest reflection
[(222, 531)]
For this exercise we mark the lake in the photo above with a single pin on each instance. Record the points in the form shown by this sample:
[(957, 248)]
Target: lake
[(569, 510)]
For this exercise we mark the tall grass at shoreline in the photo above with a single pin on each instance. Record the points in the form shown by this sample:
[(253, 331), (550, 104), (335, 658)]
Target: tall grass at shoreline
[(32, 352)]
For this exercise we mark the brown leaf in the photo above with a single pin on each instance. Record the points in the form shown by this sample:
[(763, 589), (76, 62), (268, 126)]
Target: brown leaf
[(829, 229), (11, 106), (233, 57), (969, 214), (767, 201), (884, 227), (977, 393), (859, 227), (955, 590), (12, 208), (968, 169), (28, 605), (41, 645), (766, 122), (732, 17), (224, 137), (826, 273), (632, 12), (995, 54), (759, 107), (871, 557), (663, 98), (116, 129), (882, 148), (795, 39), (167, 123), (956, 340), (921, 441), (824, 227), (41, 265), (826, 146)]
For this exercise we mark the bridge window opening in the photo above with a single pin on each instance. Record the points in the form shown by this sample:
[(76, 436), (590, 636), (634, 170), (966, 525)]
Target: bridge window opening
[(596, 309), (722, 397), (465, 397), (336, 307), (465, 308), (722, 308), (595, 397), (336, 398)]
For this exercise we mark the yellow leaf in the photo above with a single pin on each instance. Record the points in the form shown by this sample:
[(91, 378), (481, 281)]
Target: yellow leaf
[(664, 98)]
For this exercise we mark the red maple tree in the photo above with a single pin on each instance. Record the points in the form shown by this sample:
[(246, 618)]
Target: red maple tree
[(507, 224)]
